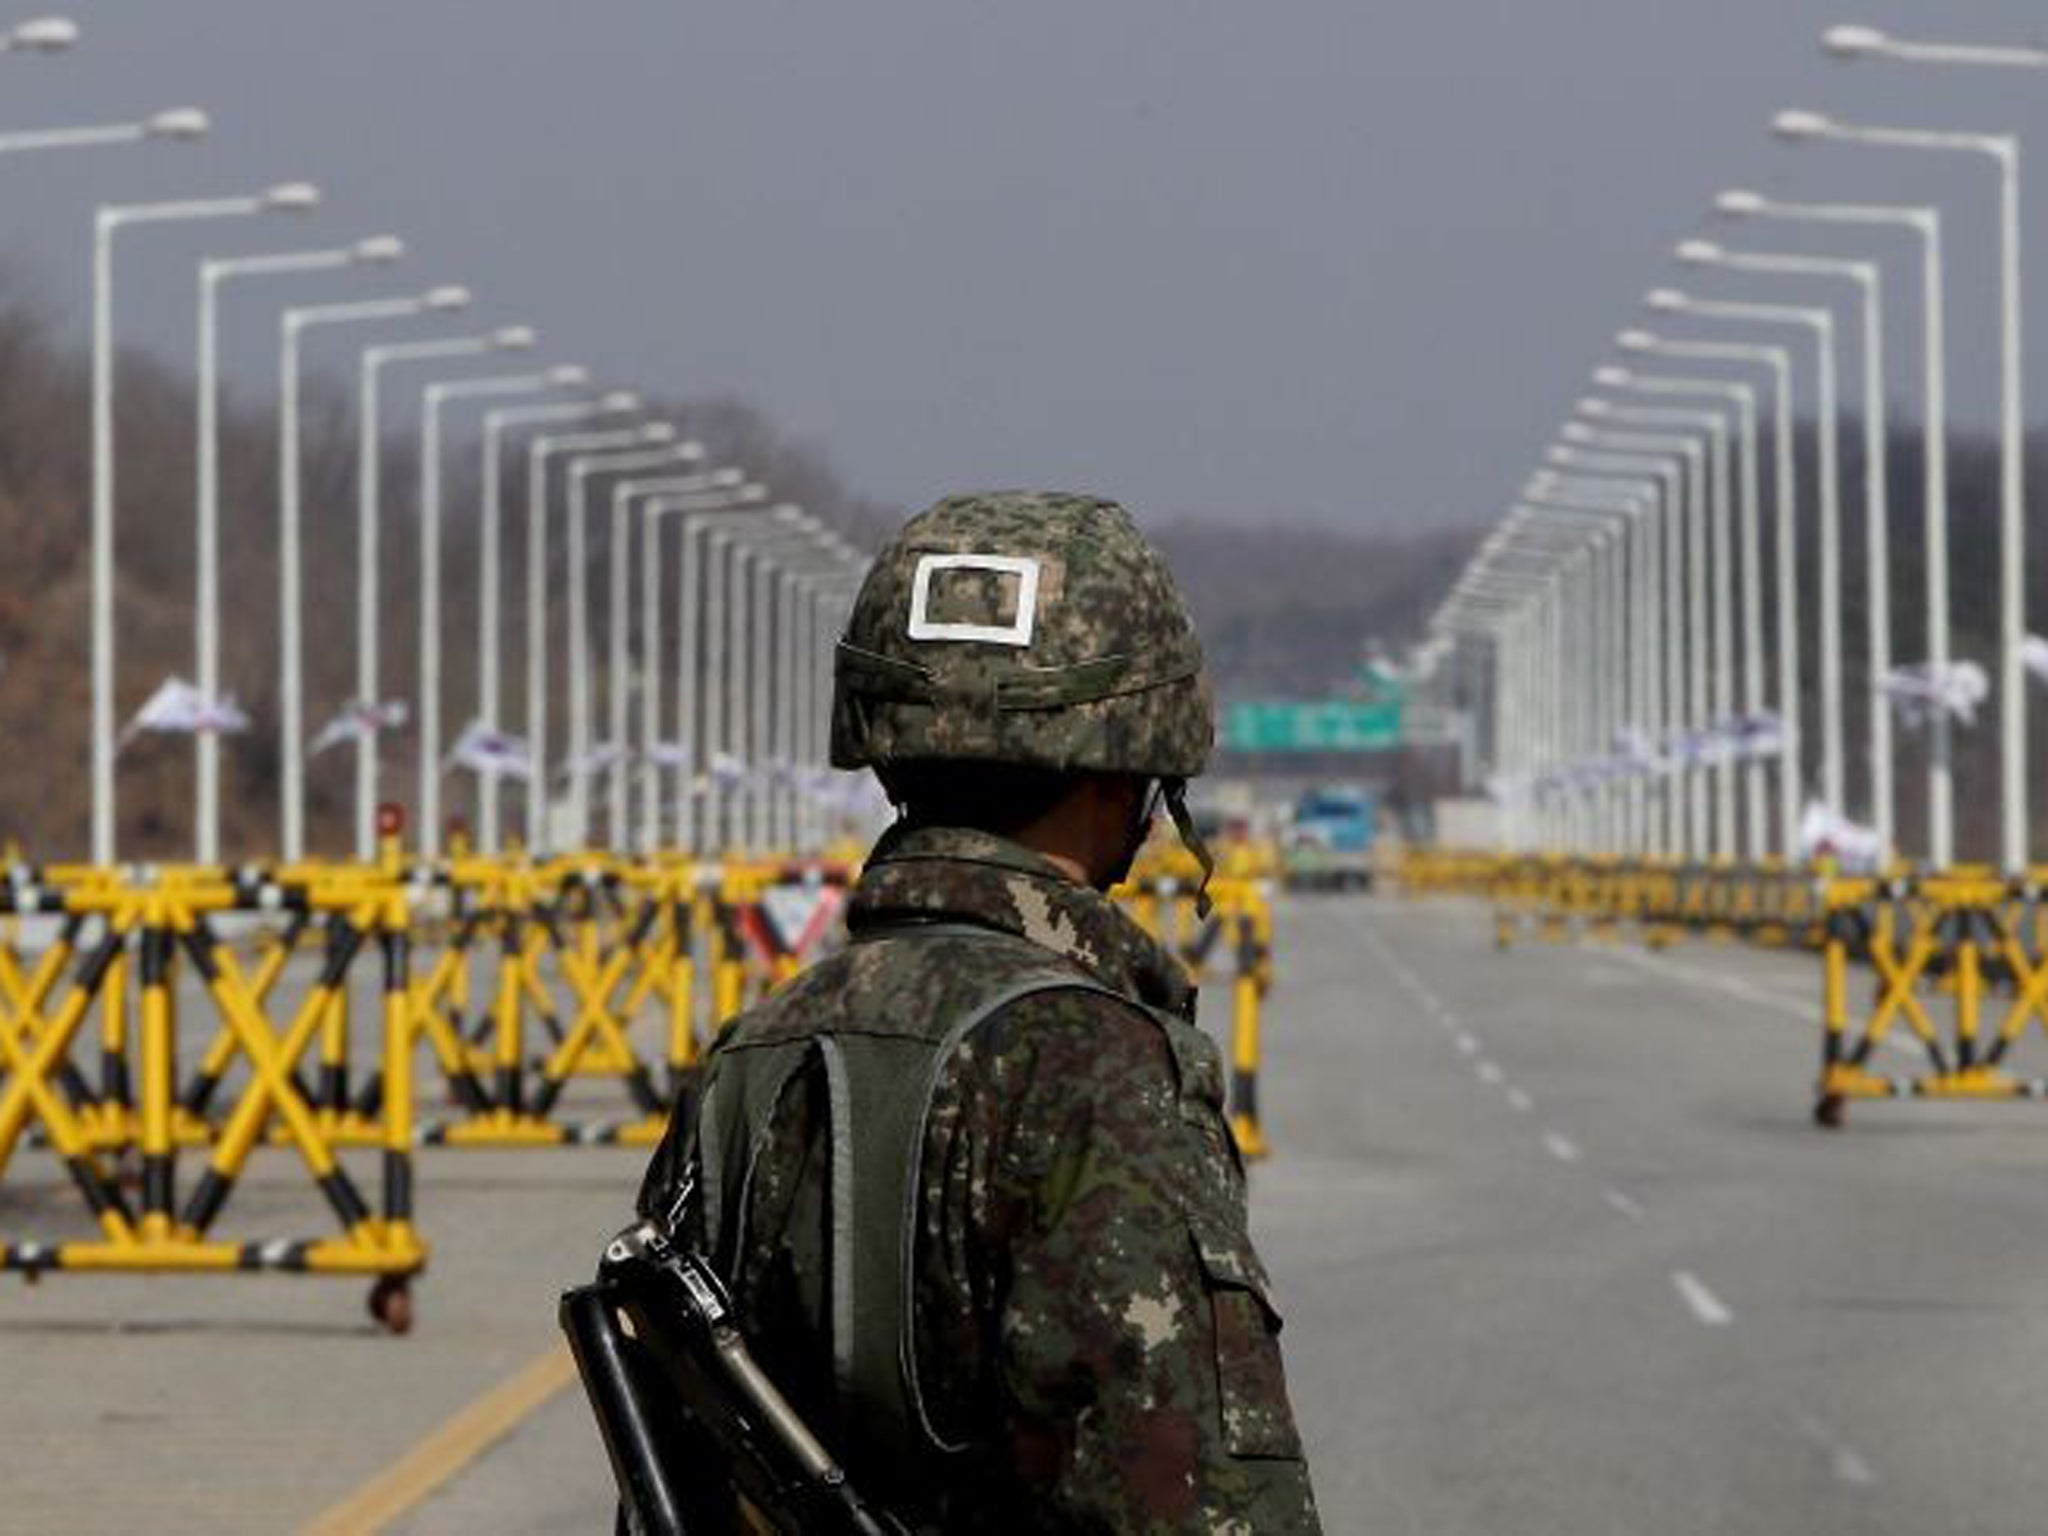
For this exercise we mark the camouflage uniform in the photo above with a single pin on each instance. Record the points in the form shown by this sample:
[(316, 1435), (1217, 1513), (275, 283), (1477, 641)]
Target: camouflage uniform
[(1085, 1339)]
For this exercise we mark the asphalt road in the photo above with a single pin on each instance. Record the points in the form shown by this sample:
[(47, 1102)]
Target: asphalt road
[(1558, 1247)]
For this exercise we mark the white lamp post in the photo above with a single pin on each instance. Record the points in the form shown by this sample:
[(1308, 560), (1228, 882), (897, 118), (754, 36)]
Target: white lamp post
[(1710, 636), (1611, 484), (1654, 584), (1620, 602), (1876, 483), (1926, 223), (490, 575), (1820, 323), (291, 645), (369, 516), (581, 722), (1552, 555), (794, 548), (178, 124), (539, 451), (212, 274), (2004, 151), (697, 497), (107, 220), (436, 396), (39, 34), (1784, 498), (1853, 42), (1725, 609), (618, 627)]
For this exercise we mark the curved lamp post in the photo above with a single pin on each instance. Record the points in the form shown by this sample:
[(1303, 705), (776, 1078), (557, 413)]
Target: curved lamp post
[(434, 398), (2004, 152), (108, 220)]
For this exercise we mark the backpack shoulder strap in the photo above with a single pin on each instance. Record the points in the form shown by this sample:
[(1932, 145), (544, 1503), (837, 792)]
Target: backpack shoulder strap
[(881, 1108)]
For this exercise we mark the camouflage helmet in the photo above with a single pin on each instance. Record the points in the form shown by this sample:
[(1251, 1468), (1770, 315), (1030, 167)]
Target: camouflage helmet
[(1027, 628)]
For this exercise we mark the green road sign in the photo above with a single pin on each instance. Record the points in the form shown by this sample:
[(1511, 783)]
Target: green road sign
[(1334, 725)]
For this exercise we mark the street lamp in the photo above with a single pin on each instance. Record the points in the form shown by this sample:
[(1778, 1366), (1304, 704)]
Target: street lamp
[(40, 34), (1926, 223), (369, 517), (1820, 324), (213, 272), (1679, 459), (2004, 152), (178, 125), (1743, 396), (369, 719), (1704, 429), (581, 725), (1621, 598), (618, 611), (697, 497), (1784, 500), (437, 395), (1551, 647), (490, 576), (1876, 479), (293, 196), (1852, 42), (538, 453)]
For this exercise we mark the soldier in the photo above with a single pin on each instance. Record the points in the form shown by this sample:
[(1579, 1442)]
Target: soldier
[(969, 1180)]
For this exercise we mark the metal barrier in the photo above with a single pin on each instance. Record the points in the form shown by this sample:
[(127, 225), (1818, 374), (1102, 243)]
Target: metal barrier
[(152, 925), (1239, 930), (535, 975), (1957, 959), (1560, 899), (620, 941), (1969, 934)]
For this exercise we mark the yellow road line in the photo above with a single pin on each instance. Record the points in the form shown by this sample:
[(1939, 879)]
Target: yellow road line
[(438, 1458)]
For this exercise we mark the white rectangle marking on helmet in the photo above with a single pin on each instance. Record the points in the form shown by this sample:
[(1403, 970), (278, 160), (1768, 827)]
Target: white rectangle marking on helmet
[(1017, 632)]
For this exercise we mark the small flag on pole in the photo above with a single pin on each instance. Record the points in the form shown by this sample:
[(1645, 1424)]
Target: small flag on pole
[(485, 750), (2034, 656), (178, 708), (1922, 690), (358, 721), (599, 759)]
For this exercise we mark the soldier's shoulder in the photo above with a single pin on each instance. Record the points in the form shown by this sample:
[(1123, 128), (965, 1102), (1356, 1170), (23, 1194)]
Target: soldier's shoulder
[(1068, 1054), (914, 980)]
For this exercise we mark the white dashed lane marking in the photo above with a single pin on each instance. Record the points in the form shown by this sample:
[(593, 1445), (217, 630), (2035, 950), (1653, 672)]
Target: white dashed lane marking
[(1844, 1462), (1622, 1204), (1560, 1147), (1708, 1308)]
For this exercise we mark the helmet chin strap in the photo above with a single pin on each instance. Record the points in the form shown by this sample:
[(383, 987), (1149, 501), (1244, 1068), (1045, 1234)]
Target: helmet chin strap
[(1184, 824)]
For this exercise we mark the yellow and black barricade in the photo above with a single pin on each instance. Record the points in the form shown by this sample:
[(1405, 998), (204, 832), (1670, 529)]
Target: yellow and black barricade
[(158, 921)]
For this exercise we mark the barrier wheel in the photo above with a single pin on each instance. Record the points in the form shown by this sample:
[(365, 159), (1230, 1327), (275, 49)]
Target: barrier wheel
[(1829, 1111), (390, 1303)]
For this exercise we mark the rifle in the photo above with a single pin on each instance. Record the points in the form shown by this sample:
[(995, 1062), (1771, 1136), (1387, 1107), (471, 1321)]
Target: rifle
[(699, 1438)]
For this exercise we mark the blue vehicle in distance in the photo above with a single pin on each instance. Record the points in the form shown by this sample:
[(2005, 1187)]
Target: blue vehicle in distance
[(1329, 844)]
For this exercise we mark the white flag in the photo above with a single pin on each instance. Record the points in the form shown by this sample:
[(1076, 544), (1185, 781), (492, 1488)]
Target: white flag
[(599, 759), (670, 755), (1828, 833), (178, 708), (1637, 752), (1922, 690), (358, 721), (485, 750), (1759, 735)]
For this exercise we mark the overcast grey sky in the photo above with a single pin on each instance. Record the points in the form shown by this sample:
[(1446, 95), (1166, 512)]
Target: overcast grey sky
[(1342, 260)]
